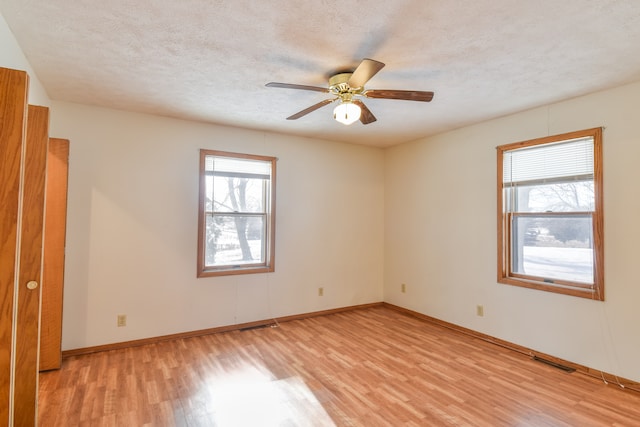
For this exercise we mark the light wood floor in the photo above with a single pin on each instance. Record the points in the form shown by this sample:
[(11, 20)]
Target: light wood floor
[(371, 367)]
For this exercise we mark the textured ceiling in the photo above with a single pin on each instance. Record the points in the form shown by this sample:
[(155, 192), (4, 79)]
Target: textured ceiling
[(208, 60)]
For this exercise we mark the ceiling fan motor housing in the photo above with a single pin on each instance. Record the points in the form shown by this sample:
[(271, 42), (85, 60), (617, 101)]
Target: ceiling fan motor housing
[(339, 84)]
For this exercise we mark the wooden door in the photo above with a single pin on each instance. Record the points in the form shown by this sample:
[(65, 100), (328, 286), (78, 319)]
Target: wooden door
[(31, 234), (23, 154), (13, 107), (54, 245)]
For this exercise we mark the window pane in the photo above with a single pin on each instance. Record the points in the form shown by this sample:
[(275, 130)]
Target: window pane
[(234, 240), (575, 196), (554, 247), (208, 193), (237, 194)]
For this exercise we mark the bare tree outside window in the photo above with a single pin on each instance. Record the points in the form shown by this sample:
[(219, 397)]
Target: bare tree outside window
[(239, 204)]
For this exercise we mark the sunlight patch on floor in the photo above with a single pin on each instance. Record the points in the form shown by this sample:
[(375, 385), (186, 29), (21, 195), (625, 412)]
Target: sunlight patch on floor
[(251, 397)]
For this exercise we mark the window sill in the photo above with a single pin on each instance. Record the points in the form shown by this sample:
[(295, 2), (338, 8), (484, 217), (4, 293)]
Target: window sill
[(212, 272), (587, 293)]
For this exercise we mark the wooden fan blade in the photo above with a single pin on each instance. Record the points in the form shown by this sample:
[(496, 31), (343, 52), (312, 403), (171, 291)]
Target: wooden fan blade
[(407, 95), (366, 116), (367, 69), (310, 109), (302, 87)]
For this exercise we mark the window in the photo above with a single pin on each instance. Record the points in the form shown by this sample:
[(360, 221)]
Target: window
[(550, 226), (236, 221)]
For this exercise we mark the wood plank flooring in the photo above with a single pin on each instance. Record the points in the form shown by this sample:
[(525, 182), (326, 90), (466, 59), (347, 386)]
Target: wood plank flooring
[(370, 367)]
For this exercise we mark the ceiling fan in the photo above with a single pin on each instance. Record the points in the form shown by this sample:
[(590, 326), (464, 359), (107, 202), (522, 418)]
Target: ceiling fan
[(347, 87)]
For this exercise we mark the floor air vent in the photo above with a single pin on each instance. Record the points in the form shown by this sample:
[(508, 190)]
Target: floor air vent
[(250, 328), (554, 364)]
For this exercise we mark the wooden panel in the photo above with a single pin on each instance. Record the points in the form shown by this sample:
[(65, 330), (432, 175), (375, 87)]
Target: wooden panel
[(13, 105), (30, 270), (54, 244)]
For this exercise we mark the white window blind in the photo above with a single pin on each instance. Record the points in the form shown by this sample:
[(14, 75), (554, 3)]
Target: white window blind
[(566, 159), (224, 166)]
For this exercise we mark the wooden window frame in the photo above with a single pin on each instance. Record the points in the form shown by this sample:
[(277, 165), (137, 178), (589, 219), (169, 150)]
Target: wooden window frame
[(270, 224), (593, 291)]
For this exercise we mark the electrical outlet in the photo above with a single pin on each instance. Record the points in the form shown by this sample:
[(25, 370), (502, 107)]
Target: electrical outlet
[(320, 292), (122, 320), (480, 310), (403, 288)]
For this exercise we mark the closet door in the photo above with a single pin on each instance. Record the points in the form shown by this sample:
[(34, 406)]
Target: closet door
[(23, 149), (30, 269), (13, 108), (54, 245)]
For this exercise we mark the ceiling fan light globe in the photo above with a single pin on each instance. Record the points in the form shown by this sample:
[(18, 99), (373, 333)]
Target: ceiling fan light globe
[(347, 113)]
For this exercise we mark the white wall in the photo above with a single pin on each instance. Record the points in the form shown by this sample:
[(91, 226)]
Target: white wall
[(11, 56), (441, 225), (132, 227)]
